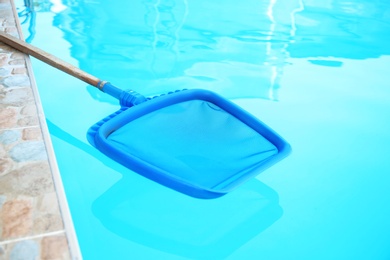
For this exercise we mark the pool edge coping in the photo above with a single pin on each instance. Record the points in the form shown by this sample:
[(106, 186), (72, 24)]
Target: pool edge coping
[(70, 232)]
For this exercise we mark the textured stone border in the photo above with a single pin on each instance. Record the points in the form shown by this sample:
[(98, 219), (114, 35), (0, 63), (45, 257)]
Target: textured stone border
[(35, 220)]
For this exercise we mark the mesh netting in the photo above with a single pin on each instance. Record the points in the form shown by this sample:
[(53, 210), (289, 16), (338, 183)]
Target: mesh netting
[(197, 141)]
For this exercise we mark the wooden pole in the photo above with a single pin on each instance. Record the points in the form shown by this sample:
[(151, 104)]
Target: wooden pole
[(48, 58)]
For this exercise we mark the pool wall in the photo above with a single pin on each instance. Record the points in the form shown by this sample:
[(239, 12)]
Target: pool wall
[(35, 221)]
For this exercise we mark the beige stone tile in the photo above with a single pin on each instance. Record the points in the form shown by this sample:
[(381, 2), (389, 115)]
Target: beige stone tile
[(4, 48), (29, 110), (16, 97), (28, 121), (16, 218), (25, 249), (15, 81), (47, 216), (8, 117), (55, 247), (45, 248), (17, 62), (18, 56), (20, 70), (11, 30), (31, 179), (22, 214), (32, 133), (17, 105), (3, 59), (17, 108), (20, 147), (6, 165), (29, 202)]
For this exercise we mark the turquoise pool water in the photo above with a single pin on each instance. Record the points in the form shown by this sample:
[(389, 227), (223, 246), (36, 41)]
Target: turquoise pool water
[(317, 72)]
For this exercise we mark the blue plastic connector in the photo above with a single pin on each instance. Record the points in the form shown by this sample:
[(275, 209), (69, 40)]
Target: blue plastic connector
[(127, 98), (130, 98)]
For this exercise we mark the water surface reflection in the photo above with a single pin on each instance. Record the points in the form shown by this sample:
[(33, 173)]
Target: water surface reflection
[(239, 50)]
